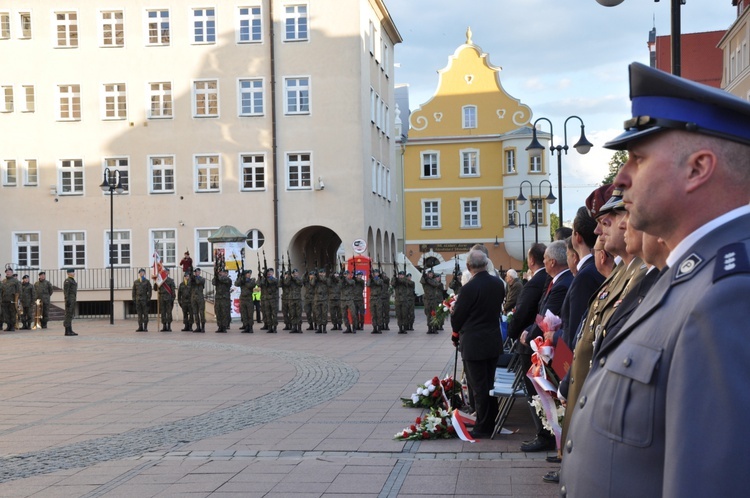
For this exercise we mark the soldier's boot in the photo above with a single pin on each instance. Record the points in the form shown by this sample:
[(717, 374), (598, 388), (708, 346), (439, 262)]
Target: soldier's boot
[(164, 328), (264, 327), (221, 330), (319, 330), (169, 327), (145, 327), (185, 328), (286, 326), (244, 328), (140, 327), (348, 330), (310, 326), (401, 329), (375, 329), (69, 331), (44, 325), (271, 330)]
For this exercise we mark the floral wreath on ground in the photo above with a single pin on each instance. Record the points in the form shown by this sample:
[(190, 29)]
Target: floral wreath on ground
[(434, 393), (435, 425), (443, 310)]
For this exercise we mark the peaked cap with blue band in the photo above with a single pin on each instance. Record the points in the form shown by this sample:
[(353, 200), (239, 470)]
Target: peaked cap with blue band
[(661, 101)]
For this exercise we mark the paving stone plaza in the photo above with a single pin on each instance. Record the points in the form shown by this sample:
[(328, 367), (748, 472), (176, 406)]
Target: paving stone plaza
[(118, 413)]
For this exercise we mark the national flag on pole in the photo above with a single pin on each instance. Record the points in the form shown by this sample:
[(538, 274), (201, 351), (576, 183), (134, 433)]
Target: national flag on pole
[(159, 273)]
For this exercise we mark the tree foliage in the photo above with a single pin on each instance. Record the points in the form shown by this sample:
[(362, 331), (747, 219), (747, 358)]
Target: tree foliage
[(554, 224), (619, 158)]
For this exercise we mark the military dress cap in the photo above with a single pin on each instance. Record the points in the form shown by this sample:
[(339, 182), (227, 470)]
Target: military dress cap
[(197, 270), (42, 273), (141, 271), (402, 272), (295, 270), (25, 276), (375, 270), (661, 101), (599, 198), (408, 274), (71, 270), (322, 270), (248, 272), (613, 204)]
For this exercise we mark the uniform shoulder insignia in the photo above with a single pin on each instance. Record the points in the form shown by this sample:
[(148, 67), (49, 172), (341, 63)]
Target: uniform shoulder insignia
[(688, 266), (731, 259)]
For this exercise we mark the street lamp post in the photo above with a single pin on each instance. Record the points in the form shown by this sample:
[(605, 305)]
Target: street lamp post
[(523, 226), (112, 185), (583, 146), (522, 200), (675, 21)]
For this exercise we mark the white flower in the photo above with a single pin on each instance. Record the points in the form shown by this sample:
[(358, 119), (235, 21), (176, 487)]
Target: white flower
[(420, 391), (431, 388), (414, 398)]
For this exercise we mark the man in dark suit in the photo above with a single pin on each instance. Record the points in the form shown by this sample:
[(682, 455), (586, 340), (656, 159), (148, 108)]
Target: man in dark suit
[(556, 264), (665, 401), (476, 325)]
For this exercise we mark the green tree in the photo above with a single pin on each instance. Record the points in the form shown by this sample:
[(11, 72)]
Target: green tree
[(619, 158), (554, 224)]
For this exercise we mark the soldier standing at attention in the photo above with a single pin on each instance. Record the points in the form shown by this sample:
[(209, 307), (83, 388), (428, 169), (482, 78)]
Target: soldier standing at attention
[(385, 296), (27, 300), (401, 290), (309, 298), (166, 301), (183, 299), (334, 300), (246, 284), (430, 286), (376, 300), (70, 291), (43, 291), (197, 300), (222, 303), (269, 300), (10, 291), (319, 283), (294, 286), (359, 298), (285, 299), (347, 303), (410, 302), (141, 298)]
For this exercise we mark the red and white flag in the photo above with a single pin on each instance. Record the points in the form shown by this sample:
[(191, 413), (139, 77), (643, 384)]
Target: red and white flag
[(459, 420), (159, 273)]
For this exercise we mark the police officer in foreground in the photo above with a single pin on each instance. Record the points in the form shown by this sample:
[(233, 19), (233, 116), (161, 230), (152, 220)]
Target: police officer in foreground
[(70, 292), (664, 406), (43, 291)]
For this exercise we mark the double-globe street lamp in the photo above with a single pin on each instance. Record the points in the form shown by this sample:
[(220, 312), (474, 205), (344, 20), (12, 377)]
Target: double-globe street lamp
[(583, 146), (675, 22), (523, 226), (112, 184), (534, 208)]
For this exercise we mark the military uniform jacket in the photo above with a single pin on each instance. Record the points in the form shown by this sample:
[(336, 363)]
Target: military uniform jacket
[(401, 287), (10, 288), (166, 289), (223, 286), (246, 286), (183, 293), (663, 411), (319, 286), (141, 290), (334, 288), (27, 294), (269, 287), (376, 287), (293, 287), (70, 290), (359, 293), (43, 290), (197, 284)]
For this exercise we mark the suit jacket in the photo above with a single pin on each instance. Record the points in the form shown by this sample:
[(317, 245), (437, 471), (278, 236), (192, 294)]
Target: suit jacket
[(476, 317), (665, 404), (585, 283), (552, 301), (511, 298), (527, 307)]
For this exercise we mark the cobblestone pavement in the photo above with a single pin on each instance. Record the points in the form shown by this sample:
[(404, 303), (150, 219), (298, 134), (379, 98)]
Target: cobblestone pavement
[(115, 413)]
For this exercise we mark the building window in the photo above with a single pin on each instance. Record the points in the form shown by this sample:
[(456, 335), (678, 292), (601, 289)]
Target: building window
[(164, 243), (114, 102), (158, 27), (250, 27), (120, 249), (112, 29), (535, 164), (297, 91), (374, 167), (295, 20), (31, 173), (255, 239), (299, 171), (69, 99), (10, 173), (388, 184), (470, 213), (510, 207), (27, 249), (66, 26), (430, 165), (371, 38), (205, 248), (253, 171), (386, 59), (537, 208), (206, 98), (510, 161), (160, 95), (430, 214), (204, 26), (73, 245), (120, 164), (7, 104), (469, 163), (373, 104), (24, 19), (162, 174), (71, 176), (251, 97), (4, 25), (207, 173), (470, 116), (28, 98)]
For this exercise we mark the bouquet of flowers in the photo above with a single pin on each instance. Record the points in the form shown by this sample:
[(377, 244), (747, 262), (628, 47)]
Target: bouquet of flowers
[(542, 376), (432, 394), (435, 425), (443, 310), (536, 404)]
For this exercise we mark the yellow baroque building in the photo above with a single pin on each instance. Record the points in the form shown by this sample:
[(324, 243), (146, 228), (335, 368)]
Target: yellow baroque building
[(464, 165)]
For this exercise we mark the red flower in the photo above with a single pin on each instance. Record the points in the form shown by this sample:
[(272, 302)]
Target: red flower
[(413, 428), (432, 313), (451, 429), (437, 428), (435, 381), (418, 421), (405, 434), (436, 394), (425, 435)]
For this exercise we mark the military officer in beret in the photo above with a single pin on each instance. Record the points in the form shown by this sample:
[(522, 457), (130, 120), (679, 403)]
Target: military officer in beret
[(664, 406), (27, 298), (142, 298), (70, 292), (9, 291), (198, 300)]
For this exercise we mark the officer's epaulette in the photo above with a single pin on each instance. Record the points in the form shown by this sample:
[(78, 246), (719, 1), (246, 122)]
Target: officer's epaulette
[(688, 265), (730, 260)]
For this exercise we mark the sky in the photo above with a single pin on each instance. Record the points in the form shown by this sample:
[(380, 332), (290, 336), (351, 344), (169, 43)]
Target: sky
[(559, 57)]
